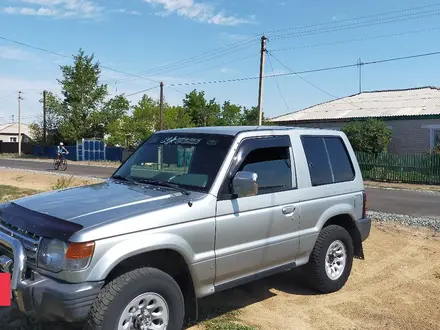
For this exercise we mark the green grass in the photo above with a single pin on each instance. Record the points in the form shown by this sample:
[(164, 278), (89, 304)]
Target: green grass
[(10, 192), (227, 321)]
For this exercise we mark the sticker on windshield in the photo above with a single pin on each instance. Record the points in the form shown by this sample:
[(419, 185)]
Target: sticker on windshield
[(180, 140), (211, 142)]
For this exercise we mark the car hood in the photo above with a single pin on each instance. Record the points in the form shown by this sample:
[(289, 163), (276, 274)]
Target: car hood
[(94, 204)]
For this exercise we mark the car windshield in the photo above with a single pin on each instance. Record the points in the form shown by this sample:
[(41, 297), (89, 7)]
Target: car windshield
[(183, 160)]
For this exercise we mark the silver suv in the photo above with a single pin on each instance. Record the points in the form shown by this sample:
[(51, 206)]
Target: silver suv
[(192, 212)]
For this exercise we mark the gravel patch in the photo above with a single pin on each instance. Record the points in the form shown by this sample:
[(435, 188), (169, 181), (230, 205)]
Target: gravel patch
[(428, 222)]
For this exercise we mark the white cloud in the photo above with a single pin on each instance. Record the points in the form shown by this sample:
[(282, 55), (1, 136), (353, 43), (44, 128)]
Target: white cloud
[(57, 8), (15, 54), (200, 11), (128, 12)]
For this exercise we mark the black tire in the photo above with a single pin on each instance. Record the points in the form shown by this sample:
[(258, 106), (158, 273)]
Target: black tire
[(316, 269), (56, 164), (117, 294), (63, 165)]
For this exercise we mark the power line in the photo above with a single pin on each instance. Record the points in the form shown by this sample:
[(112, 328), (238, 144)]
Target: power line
[(276, 80), (304, 71), (356, 39), (142, 91), (70, 57), (355, 18), (353, 26), (226, 50), (308, 82), (221, 51), (174, 67), (7, 95)]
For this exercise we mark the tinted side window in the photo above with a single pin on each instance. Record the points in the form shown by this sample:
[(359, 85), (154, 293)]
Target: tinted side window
[(273, 168), (328, 160), (317, 160), (339, 159)]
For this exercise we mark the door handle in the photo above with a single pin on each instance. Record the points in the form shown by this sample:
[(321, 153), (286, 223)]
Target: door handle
[(289, 209)]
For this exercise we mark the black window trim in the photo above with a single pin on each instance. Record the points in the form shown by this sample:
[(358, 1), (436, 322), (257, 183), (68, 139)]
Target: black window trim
[(328, 159), (259, 142)]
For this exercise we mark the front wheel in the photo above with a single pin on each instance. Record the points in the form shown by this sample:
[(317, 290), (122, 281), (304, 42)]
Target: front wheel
[(145, 298), (331, 259), (63, 165)]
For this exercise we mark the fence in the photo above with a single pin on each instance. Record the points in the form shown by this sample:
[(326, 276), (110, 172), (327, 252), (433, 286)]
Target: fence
[(12, 148), (407, 168), (111, 153)]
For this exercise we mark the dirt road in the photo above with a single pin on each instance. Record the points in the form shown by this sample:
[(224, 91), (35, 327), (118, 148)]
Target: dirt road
[(396, 287)]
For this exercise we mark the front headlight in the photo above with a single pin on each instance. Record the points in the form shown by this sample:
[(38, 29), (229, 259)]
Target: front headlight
[(56, 256)]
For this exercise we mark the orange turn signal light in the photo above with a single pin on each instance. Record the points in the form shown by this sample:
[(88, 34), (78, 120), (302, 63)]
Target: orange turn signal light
[(80, 250)]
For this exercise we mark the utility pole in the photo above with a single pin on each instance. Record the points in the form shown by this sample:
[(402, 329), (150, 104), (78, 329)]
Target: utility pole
[(260, 88), (19, 123), (44, 118), (161, 107), (12, 118), (360, 74)]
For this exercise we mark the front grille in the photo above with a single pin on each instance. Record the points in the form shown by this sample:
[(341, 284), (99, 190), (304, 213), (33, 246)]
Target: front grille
[(29, 240)]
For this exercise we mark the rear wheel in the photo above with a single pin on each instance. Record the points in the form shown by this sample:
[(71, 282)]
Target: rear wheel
[(145, 298), (56, 163), (331, 260)]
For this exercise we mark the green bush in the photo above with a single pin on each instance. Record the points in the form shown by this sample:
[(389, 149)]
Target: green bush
[(371, 136)]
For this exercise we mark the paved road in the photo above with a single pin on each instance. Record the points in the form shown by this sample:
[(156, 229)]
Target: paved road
[(101, 172), (390, 201)]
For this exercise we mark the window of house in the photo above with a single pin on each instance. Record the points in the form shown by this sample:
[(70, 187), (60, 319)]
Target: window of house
[(327, 159), (12, 139), (273, 168)]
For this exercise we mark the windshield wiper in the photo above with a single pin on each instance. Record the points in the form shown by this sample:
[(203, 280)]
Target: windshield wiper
[(164, 184), (123, 178)]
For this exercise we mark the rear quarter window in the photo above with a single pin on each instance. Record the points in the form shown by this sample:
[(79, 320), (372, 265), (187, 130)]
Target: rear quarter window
[(327, 159)]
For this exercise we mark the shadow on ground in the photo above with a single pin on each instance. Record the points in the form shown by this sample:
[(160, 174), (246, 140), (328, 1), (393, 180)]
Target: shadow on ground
[(217, 305)]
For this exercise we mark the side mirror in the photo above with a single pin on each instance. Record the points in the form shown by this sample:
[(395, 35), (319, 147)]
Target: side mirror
[(245, 184)]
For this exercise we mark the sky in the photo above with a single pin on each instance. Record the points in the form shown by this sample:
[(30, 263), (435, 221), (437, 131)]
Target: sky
[(142, 42)]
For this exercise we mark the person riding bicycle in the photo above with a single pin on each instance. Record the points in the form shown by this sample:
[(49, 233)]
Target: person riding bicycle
[(61, 151)]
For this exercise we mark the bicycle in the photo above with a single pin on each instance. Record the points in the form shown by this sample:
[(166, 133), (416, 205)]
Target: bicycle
[(60, 163)]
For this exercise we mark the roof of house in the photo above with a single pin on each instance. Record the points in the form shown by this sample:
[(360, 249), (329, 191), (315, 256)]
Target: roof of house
[(419, 101), (12, 128)]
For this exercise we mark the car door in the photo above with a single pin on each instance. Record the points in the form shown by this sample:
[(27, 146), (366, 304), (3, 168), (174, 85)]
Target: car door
[(258, 233)]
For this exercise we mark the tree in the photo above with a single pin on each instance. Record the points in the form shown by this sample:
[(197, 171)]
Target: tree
[(202, 113), (230, 115), (176, 117), (112, 110), (83, 111), (250, 116), (370, 136), (52, 123), (120, 131), (145, 119)]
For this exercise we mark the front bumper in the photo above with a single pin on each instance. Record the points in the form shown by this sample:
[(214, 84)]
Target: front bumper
[(364, 227), (46, 298), (42, 297)]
